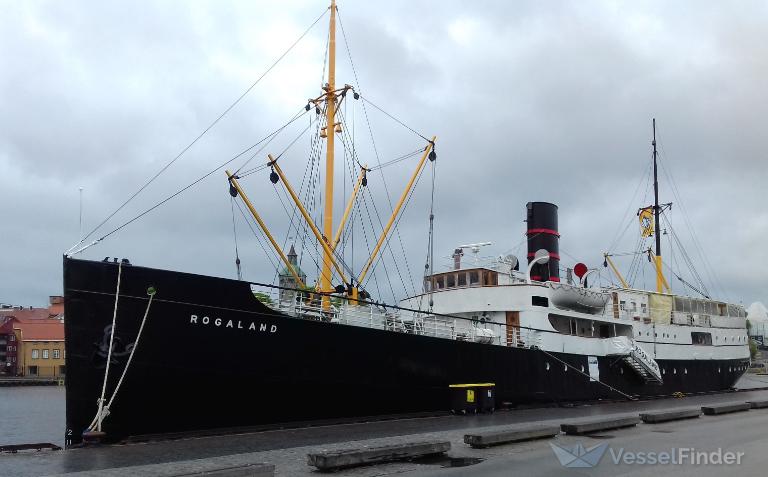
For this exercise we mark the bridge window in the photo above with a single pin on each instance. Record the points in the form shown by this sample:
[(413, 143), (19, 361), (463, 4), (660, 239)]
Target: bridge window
[(474, 277), (539, 301)]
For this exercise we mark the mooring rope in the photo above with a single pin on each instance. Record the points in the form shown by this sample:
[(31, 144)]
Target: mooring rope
[(99, 413), (103, 411)]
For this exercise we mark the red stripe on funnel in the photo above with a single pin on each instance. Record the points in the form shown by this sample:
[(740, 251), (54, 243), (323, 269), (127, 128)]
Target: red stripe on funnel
[(542, 231)]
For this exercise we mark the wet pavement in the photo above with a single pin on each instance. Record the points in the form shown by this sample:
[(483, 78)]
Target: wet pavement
[(287, 448)]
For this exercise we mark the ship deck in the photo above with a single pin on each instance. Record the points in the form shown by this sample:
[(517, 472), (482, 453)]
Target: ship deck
[(287, 448)]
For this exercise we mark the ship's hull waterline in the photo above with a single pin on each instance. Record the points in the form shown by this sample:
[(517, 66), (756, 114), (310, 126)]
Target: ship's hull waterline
[(211, 356)]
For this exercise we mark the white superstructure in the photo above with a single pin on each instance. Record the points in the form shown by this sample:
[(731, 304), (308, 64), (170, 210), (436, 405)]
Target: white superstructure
[(559, 317)]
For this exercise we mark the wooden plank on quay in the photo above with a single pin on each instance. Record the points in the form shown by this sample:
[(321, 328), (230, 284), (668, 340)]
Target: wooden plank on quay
[(597, 425), (509, 435), (340, 459), (726, 408), (657, 417)]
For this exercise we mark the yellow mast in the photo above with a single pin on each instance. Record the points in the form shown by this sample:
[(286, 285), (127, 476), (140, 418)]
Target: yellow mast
[(325, 276)]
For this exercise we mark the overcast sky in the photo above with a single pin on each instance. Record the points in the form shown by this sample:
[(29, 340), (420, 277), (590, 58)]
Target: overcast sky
[(531, 101)]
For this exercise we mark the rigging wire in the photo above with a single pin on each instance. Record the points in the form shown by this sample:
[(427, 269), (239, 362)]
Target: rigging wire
[(282, 202), (688, 261), (645, 177), (402, 212), (367, 244), (310, 197), (339, 259), (248, 220), (234, 234), (373, 141), (397, 159), (389, 248), (309, 166), (429, 268), (190, 185), (205, 131), (708, 269), (374, 234), (672, 252), (398, 121), (344, 140), (356, 209)]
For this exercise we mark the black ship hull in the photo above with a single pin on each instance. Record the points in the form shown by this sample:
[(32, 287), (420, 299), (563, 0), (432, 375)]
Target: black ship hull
[(211, 356)]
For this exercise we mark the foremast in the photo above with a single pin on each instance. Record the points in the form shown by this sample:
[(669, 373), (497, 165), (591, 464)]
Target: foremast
[(351, 285), (324, 281)]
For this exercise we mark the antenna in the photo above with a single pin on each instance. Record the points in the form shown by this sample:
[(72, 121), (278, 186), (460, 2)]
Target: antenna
[(475, 248)]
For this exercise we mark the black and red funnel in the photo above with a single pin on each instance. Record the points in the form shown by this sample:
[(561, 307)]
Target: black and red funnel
[(542, 234)]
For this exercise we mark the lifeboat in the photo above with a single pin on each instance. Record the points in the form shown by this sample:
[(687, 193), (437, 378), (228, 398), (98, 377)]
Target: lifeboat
[(569, 297)]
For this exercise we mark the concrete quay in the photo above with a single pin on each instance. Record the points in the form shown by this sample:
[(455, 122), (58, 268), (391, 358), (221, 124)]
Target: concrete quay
[(287, 449)]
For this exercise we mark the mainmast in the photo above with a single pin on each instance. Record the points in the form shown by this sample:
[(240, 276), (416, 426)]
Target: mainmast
[(656, 211), (330, 92)]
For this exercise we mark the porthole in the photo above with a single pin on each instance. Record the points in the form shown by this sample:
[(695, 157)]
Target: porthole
[(582, 368), (718, 370), (546, 366), (674, 370), (565, 368), (663, 371), (621, 370)]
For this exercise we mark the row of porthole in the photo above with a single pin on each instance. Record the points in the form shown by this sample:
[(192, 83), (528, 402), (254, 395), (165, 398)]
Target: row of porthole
[(734, 368), (674, 371), (656, 335), (663, 371), (742, 339)]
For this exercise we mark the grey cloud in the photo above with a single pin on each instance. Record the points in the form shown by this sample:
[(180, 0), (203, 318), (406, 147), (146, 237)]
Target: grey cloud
[(540, 101)]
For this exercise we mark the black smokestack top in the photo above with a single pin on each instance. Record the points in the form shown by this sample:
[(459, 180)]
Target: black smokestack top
[(542, 234)]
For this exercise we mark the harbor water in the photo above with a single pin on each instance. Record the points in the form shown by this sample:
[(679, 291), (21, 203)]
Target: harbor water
[(32, 414)]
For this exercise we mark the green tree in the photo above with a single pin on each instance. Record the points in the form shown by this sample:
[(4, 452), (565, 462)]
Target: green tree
[(752, 349), (263, 297)]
